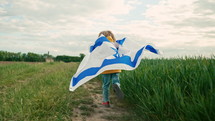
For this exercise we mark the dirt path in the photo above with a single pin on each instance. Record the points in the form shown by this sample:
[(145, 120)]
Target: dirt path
[(97, 112), (12, 62)]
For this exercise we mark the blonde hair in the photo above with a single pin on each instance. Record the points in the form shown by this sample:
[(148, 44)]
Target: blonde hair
[(107, 33)]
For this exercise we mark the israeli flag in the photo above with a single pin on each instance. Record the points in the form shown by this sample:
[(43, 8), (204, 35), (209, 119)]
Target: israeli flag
[(105, 55)]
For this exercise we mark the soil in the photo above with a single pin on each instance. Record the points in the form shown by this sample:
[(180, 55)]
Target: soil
[(97, 111), (12, 62)]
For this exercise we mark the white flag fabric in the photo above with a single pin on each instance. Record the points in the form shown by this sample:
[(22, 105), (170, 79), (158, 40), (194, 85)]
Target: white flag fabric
[(105, 55)]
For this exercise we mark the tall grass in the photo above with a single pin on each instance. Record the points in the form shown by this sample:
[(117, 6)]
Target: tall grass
[(172, 89), (37, 91)]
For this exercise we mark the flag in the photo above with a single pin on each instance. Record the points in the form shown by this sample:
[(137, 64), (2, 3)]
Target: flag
[(104, 55)]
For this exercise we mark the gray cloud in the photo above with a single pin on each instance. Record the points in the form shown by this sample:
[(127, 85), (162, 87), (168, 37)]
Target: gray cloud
[(205, 7), (68, 27), (197, 22)]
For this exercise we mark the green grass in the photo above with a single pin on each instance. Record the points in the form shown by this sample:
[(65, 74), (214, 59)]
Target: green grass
[(38, 91), (158, 90), (172, 89)]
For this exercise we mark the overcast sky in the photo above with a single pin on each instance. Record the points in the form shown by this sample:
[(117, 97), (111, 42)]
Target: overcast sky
[(68, 27)]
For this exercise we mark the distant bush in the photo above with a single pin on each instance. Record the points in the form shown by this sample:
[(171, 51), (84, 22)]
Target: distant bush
[(65, 58), (33, 57), (30, 57)]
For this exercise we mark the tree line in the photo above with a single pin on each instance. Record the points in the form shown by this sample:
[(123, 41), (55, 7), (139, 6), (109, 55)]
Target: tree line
[(33, 57), (66, 58)]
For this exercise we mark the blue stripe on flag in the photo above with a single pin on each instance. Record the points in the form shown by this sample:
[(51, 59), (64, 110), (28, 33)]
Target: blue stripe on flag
[(102, 39), (121, 41), (98, 42), (121, 60), (151, 49)]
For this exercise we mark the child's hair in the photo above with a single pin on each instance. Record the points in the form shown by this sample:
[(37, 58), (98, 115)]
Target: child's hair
[(107, 33)]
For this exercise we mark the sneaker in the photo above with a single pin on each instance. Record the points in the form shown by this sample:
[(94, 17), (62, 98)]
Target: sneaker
[(106, 104), (118, 91)]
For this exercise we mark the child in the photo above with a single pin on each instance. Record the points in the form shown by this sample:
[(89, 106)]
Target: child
[(110, 75)]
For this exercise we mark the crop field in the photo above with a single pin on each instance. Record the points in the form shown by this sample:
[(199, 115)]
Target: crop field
[(158, 90), (172, 90)]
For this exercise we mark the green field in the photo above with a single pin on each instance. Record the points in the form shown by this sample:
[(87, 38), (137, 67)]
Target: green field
[(172, 89), (158, 90), (38, 91)]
